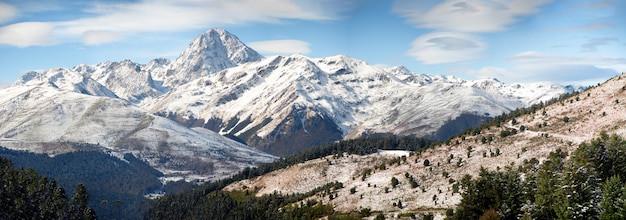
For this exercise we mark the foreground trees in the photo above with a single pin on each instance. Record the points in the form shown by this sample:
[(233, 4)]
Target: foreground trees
[(588, 186), (26, 195)]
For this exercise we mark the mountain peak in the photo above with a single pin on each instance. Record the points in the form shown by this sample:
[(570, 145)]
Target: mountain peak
[(211, 52)]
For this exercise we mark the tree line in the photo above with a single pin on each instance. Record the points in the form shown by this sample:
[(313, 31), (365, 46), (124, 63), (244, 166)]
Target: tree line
[(116, 187), (207, 197)]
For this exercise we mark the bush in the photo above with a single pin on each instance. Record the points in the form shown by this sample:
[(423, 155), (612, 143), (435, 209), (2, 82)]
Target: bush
[(394, 182)]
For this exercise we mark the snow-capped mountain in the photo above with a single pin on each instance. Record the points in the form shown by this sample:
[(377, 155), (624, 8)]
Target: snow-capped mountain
[(210, 52), (43, 118), (282, 102)]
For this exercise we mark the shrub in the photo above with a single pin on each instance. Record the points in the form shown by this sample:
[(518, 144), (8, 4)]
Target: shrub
[(394, 182)]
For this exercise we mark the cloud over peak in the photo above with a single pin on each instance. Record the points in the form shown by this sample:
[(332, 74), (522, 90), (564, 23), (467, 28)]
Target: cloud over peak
[(100, 23)]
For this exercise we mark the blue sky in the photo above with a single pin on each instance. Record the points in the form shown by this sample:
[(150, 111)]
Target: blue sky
[(568, 42)]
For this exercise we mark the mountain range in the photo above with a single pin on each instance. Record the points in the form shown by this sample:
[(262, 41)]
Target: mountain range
[(182, 116)]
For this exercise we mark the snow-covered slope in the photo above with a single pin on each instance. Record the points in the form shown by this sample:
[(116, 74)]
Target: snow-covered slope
[(210, 52), (284, 104), (282, 101), (42, 118), (129, 80), (65, 79)]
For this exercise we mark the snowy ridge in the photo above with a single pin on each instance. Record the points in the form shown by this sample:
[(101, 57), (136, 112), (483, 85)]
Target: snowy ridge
[(34, 118), (65, 79), (279, 102), (130, 81), (275, 94)]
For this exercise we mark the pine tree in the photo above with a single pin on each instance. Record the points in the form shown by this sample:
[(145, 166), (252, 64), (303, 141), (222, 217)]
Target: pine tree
[(79, 209), (612, 204), (576, 196)]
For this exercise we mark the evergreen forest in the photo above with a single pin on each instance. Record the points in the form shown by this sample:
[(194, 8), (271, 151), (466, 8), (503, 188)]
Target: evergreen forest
[(28, 195)]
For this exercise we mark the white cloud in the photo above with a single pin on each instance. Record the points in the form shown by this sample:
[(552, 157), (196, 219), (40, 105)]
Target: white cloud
[(99, 37), (159, 16), (533, 66), (280, 47), (466, 16), (446, 47), (27, 34), (7, 12), (107, 22)]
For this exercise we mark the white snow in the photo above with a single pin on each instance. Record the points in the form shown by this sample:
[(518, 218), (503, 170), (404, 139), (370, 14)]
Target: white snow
[(358, 97)]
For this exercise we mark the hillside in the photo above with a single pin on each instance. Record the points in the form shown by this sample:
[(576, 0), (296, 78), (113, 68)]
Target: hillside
[(42, 118), (564, 125)]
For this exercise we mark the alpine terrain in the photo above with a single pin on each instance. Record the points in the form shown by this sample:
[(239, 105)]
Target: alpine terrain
[(561, 160), (283, 105), (221, 107), (280, 105)]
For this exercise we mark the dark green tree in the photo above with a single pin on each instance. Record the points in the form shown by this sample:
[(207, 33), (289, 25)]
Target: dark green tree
[(612, 205), (394, 182)]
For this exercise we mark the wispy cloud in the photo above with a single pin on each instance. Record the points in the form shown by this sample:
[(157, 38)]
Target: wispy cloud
[(281, 47), (446, 47), (456, 22), (591, 44), (27, 34), (121, 19), (7, 12), (99, 37), (532, 66), (466, 16), (595, 26), (601, 4), (539, 57)]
